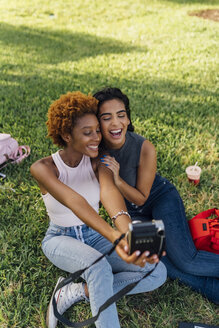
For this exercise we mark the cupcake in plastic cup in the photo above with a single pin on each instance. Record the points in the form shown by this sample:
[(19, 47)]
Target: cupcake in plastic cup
[(193, 173)]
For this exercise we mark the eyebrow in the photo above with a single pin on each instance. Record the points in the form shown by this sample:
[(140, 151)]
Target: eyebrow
[(120, 111), (89, 127)]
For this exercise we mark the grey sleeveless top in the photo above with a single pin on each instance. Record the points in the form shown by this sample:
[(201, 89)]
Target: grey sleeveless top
[(128, 157)]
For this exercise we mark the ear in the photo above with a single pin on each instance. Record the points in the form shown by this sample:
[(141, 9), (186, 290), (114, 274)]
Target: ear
[(128, 117), (66, 137)]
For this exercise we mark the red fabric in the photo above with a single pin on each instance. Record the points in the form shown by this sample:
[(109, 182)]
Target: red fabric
[(205, 230)]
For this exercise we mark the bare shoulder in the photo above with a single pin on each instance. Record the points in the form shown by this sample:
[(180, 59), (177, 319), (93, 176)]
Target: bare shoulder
[(44, 171), (43, 164), (148, 148)]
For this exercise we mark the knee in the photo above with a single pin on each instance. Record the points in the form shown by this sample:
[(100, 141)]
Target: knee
[(101, 271), (161, 274)]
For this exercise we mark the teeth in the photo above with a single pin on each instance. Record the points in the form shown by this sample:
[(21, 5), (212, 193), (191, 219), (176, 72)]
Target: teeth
[(93, 147), (116, 131)]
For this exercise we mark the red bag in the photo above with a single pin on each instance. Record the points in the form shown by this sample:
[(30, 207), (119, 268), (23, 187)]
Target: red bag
[(205, 230)]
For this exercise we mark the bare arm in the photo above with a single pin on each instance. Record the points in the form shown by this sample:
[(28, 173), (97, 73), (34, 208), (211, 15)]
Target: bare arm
[(145, 176), (113, 202), (112, 199), (48, 181)]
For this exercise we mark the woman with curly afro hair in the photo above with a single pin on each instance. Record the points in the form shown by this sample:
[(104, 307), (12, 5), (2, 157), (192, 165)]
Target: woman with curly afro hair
[(77, 235)]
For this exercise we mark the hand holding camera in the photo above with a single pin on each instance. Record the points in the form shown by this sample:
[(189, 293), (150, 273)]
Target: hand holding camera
[(146, 236)]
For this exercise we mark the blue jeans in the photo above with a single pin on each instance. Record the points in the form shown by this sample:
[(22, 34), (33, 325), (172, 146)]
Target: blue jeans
[(198, 269), (74, 248)]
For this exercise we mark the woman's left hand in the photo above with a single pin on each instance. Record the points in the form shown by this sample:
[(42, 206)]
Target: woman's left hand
[(113, 165)]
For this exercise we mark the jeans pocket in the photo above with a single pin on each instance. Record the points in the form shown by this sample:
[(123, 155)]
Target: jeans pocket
[(53, 231)]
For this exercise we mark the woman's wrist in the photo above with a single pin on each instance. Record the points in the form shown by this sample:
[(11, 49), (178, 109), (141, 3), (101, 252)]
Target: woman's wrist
[(117, 181), (115, 235), (122, 223), (120, 213)]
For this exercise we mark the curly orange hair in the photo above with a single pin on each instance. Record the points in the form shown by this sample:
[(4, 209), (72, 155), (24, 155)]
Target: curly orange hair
[(64, 112)]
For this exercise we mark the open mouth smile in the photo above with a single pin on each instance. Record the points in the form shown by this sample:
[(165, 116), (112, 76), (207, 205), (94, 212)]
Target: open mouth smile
[(116, 133)]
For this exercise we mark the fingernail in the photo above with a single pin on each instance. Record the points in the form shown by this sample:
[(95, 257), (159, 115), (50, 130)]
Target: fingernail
[(126, 248), (107, 164), (137, 253), (144, 260), (146, 253)]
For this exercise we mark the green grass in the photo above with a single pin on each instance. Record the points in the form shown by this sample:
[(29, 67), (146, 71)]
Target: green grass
[(167, 62)]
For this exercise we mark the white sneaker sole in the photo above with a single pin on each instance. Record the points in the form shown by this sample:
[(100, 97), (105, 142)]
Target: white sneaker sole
[(51, 320)]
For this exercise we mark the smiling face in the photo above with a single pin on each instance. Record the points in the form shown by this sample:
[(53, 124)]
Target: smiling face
[(113, 122), (85, 137)]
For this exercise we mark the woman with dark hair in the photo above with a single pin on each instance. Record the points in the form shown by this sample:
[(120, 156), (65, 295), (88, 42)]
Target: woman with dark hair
[(77, 235), (132, 159)]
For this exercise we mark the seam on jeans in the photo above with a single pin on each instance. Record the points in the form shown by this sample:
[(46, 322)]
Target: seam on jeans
[(91, 286), (63, 255), (66, 257)]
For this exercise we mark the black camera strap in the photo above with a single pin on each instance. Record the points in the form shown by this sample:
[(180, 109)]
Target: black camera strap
[(108, 302)]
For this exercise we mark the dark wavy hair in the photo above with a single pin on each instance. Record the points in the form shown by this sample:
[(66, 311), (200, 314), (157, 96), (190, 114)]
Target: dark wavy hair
[(110, 93)]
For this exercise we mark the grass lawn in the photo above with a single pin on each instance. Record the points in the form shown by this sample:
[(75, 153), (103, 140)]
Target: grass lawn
[(168, 63)]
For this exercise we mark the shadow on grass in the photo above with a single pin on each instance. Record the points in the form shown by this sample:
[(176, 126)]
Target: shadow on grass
[(53, 47), (191, 2), (170, 107), (166, 111), (29, 96)]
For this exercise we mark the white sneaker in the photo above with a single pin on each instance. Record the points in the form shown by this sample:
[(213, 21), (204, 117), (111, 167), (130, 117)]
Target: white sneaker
[(65, 297)]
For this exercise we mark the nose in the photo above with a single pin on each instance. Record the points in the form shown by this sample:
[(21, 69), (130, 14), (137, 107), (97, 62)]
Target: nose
[(97, 136), (114, 120)]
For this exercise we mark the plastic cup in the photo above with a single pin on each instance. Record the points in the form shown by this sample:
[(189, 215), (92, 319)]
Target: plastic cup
[(193, 173)]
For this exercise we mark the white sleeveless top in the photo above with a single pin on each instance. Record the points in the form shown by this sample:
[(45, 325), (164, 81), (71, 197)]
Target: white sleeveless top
[(81, 179)]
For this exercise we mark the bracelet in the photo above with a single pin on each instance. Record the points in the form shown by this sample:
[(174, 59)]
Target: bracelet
[(118, 214)]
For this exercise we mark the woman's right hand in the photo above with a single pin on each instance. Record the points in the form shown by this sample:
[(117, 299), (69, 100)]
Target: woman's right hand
[(135, 258)]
